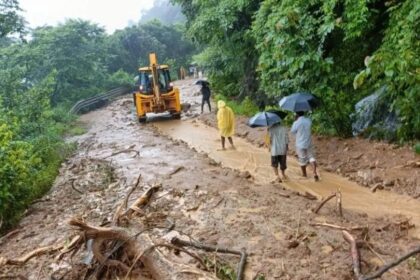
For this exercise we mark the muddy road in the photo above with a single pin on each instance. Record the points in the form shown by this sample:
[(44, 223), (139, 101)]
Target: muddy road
[(221, 199)]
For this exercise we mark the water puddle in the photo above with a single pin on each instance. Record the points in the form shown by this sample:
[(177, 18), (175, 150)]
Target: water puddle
[(255, 160)]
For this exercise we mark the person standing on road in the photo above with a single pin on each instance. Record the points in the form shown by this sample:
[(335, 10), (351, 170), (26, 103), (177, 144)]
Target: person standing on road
[(304, 148), (279, 140), (225, 123), (206, 93)]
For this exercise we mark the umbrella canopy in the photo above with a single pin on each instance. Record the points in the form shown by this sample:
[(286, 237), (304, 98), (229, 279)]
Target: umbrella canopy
[(264, 119), (299, 102), (202, 83), (281, 114)]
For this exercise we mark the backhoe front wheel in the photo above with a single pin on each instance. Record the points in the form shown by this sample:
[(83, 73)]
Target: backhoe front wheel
[(142, 119), (176, 116)]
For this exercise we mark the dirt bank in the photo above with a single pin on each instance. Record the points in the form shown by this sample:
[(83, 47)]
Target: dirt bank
[(198, 199)]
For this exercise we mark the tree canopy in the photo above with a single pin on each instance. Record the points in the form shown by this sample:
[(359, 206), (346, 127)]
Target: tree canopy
[(339, 50)]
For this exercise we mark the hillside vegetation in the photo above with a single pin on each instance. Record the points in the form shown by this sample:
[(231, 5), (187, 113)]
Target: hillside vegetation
[(339, 50), (46, 70)]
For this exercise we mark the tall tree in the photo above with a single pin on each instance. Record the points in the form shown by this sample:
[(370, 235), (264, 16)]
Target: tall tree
[(10, 20)]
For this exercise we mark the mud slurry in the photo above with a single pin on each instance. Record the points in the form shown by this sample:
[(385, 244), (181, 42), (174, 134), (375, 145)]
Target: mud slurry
[(215, 205)]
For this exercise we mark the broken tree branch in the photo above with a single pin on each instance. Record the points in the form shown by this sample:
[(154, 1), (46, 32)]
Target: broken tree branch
[(142, 200), (390, 265), (24, 259), (242, 254), (169, 246), (337, 226), (354, 253), (325, 200), (124, 151), (74, 187)]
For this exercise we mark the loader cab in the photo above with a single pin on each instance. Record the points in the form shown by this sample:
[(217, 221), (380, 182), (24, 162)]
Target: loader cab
[(145, 80)]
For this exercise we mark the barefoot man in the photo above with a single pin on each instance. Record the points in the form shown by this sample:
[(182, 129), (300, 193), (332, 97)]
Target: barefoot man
[(304, 149), (225, 123), (279, 140)]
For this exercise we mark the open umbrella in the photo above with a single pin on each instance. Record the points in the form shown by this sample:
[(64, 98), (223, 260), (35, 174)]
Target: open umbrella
[(299, 102), (202, 83), (264, 119), (281, 114)]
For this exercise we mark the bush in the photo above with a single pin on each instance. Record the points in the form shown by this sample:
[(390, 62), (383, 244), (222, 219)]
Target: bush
[(244, 108), (417, 148)]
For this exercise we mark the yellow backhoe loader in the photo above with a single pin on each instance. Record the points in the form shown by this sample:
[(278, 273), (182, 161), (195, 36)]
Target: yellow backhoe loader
[(155, 92)]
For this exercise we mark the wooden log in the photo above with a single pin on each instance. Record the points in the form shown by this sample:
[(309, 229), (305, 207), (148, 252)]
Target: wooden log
[(354, 253), (142, 200)]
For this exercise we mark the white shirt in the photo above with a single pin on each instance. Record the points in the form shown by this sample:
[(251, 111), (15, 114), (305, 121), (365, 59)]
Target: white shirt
[(302, 129), (279, 140)]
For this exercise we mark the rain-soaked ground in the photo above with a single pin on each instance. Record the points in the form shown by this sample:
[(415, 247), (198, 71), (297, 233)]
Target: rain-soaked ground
[(207, 195)]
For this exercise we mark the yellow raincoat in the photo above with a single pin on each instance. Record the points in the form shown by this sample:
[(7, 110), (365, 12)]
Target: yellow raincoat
[(225, 119)]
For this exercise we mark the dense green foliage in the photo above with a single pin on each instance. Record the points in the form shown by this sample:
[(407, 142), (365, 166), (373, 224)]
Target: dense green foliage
[(339, 50), (42, 76), (10, 20)]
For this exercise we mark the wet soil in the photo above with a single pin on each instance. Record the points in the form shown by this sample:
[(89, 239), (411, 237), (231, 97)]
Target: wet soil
[(204, 199), (366, 162)]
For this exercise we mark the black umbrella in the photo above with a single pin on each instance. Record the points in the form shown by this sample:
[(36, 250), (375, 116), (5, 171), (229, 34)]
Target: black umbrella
[(202, 83), (299, 102), (264, 119), (281, 114)]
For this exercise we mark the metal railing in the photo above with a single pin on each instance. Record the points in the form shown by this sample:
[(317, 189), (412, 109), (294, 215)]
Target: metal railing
[(99, 100)]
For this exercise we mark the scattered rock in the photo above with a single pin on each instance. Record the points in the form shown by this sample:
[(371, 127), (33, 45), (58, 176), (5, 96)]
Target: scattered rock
[(246, 175), (292, 244), (389, 183)]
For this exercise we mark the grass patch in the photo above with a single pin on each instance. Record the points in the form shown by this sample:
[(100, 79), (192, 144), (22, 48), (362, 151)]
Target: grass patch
[(76, 129), (417, 148), (244, 108)]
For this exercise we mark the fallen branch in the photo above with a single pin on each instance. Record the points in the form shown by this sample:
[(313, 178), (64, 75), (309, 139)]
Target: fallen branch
[(151, 248), (74, 187), (242, 254), (24, 259), (124, 151), (124, 204), (354, 253), (141, 201), (392, 264), (338, 227), (325, 200), (179, 168)]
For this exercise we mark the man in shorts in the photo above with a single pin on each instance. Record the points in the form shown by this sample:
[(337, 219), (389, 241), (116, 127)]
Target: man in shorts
[(304, 149), (279, 140)]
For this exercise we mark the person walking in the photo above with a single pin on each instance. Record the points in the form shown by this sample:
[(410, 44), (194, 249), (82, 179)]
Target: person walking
[(279, 140), (225, 123), (206, 93), (304, 148)]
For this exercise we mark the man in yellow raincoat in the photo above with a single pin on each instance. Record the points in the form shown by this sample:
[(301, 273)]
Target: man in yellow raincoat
[(225, 123)]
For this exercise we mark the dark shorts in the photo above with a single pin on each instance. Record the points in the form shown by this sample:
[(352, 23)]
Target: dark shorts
[(276, 160)]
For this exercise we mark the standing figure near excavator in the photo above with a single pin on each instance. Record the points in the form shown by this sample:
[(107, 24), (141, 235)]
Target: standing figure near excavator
[(206, 93), (225, 123)]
